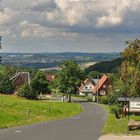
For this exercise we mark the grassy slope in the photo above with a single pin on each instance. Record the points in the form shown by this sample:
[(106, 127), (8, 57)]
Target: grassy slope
[(2, 68), (113, 125), (13, 111), (106, 66)]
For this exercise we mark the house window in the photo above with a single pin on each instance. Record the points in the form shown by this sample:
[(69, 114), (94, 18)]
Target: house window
[(104, 86), (86, 87), (102, 92)]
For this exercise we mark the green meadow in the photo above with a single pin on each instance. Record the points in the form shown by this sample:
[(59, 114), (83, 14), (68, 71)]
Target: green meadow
[(15, 111), (113, 125)]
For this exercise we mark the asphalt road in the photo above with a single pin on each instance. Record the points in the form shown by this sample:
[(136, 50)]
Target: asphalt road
[(86, 126)]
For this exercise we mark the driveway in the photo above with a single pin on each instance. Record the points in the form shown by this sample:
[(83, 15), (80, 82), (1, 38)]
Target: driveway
[(86, 126)]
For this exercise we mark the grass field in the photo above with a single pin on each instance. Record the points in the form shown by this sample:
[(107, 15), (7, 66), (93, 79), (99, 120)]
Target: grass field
[(2, 68), (15, 111), (113, 125), (119, 126)]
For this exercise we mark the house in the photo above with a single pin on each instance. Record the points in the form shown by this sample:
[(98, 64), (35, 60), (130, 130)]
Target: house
[(87, 87), (92, 87), (102, 86), (20, 79), (50, 77)]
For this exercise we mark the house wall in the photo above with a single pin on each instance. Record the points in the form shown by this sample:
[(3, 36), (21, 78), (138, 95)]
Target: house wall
[(87, 89)]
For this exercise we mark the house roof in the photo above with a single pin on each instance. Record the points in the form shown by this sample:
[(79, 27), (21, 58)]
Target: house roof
[(98, 83), (50, 77), (87, 80), (95, 81), (24, 75)]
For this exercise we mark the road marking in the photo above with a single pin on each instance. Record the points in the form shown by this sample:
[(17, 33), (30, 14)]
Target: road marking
[(76, 118), (17, 131)]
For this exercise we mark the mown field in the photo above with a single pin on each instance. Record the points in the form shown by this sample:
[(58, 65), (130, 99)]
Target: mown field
[(15, 111), (113, 125)]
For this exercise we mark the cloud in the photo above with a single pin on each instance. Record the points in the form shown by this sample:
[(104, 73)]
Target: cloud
[(39, 18), (8, 16)]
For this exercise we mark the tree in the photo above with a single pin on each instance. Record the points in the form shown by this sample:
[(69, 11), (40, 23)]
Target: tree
[(10, 70), (69, 78), (94, 74), (135, 90), (132, 52), (6, 86), (40, 83), (130, 69)]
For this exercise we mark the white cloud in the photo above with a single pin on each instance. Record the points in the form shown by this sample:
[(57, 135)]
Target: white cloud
[(68, 19), (8, 16)]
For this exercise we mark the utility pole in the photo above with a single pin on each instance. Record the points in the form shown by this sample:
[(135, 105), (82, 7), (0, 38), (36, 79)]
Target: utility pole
[(97, 88), (125, 70)]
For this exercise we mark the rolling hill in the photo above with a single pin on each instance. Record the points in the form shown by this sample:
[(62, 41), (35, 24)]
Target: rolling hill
[(106, 66)]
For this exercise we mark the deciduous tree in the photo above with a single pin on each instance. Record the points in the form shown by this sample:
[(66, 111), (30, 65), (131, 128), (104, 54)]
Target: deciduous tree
[(69, 77)]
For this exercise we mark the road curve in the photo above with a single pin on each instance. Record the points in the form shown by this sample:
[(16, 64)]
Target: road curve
[(86, 126)]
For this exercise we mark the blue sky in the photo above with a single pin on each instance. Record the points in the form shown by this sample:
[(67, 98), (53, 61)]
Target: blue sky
[(68, 25)]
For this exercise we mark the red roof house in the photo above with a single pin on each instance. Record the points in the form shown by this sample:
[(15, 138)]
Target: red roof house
[(92, 87), (50, 77), (102, 86)]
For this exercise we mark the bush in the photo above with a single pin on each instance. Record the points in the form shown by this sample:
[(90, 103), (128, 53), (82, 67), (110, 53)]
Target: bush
[(27, 92), (112, 99), (103, 99), (6, 86), (113, 108), (40, 83)]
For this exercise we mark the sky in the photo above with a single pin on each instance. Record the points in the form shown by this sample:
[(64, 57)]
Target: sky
[(68, 25)]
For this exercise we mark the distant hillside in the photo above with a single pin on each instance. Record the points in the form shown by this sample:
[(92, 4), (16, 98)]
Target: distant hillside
[(48, 60), (106, 66)]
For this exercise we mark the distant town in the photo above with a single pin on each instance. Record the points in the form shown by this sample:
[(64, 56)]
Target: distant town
[(52, 60)]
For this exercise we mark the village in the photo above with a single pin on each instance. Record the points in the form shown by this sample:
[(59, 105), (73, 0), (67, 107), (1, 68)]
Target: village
[(69, 70), (72, 86)]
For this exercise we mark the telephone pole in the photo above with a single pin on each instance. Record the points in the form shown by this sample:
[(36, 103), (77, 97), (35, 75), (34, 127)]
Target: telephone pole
[(97, 88), (125, 69)]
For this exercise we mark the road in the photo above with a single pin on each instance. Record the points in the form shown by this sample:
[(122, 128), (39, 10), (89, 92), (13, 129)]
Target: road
[(86, 126)]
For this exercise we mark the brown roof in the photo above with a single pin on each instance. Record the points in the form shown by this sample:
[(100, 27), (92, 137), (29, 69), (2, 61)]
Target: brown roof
[(25, 76)]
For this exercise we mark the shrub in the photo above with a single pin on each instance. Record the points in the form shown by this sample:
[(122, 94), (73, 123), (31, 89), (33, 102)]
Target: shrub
[(103, 99), (40, 83), (27, 92), (113, 108), (6, 86), (112, 99)]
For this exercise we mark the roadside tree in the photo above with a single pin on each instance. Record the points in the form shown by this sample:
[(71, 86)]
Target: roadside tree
[(69, 78)]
